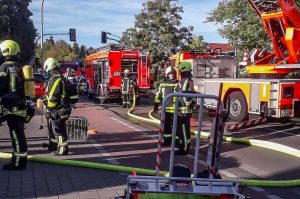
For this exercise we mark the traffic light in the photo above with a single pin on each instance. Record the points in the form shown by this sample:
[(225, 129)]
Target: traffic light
[(103, 37), (72, 33)]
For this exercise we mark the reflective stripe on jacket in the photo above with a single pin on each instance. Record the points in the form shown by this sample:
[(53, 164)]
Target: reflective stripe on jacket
[(186, 85), (56, 92), (164, 90)]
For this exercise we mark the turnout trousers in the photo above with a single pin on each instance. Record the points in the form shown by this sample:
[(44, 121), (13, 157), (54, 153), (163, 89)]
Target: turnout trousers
[(125, 100), (58, 139), (184, 132), (19, 144), (168, 128)]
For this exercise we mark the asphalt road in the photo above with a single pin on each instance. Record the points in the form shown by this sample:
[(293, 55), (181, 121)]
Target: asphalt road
[(135, 144)]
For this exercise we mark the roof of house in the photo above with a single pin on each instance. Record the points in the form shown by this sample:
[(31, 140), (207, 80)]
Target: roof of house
[(224, 47)]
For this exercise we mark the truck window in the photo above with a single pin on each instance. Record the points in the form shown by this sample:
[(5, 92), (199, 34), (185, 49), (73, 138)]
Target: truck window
[(288, 92), (132, 65)]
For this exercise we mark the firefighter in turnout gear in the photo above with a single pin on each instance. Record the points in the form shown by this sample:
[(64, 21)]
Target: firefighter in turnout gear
[(57, 108), (125, 87), (185, 108), (13, 102), (71, 86), (165, 88)]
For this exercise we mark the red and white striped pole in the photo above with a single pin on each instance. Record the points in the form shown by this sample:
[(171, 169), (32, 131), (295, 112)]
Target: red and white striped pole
[(160, 144)]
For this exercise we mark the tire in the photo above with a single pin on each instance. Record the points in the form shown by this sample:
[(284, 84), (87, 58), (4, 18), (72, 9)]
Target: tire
[(238, 110)]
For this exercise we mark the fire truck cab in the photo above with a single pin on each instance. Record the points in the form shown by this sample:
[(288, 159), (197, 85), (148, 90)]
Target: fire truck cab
[(105, 69)]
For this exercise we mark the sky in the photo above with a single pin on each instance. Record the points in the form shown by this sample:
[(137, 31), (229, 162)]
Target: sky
[(90, 17)]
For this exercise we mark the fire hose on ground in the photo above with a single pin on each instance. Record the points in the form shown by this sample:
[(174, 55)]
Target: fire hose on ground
[(141, 171), (253, 142)]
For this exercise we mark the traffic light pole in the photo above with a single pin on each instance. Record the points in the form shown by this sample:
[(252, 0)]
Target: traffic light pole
[(42, 35)]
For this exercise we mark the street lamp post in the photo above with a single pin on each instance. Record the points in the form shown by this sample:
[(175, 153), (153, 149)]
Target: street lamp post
[(42, 35)]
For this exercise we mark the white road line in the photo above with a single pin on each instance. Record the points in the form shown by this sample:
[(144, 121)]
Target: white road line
[(257, 189), (228, 174), (103, 152), (273, 197)]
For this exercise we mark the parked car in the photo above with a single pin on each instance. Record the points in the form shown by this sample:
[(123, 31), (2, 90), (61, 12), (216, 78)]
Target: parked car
[(39, 85)]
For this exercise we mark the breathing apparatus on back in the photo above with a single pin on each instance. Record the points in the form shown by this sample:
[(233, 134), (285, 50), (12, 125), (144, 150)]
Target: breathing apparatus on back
[(29, 82)]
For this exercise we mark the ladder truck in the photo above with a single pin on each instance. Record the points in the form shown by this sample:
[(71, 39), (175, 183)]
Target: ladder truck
[(267, 93)]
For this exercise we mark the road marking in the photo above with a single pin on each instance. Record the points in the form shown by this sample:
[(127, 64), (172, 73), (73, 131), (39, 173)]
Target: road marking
[(228, 174), (273, 197), (257, 189), (103, 152), (203, 163)]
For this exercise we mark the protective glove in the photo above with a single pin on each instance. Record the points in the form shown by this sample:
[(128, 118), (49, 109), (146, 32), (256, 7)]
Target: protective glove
[(55, 115), (155, 109), (194, 105)]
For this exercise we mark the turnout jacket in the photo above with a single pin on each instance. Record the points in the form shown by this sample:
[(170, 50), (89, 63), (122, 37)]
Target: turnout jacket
[(165, 89), (56, 95), (12, 93), (185, 104)]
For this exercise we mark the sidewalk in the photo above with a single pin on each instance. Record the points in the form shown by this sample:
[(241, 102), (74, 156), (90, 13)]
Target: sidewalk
[(41, 180)]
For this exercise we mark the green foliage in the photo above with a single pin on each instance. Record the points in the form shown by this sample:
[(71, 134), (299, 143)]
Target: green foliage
[(158, 29), (62, 51), (293, 75), (15, 24), (243, 73), (198, 43), (240, 24)]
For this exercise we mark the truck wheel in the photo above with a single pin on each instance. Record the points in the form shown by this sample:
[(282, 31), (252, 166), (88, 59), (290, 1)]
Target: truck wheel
[(238, 110)]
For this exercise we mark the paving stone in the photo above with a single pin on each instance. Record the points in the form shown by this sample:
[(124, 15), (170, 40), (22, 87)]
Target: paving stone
[(69, 196), (107, 193), (47, 196), (89, 195)]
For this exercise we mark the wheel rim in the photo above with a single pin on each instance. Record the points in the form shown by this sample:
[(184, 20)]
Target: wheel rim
[(235, 107)]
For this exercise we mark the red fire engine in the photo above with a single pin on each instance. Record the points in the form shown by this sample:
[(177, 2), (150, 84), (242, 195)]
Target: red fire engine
[(105, 68)]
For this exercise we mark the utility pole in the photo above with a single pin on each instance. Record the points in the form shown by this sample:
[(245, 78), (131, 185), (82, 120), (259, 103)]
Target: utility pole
[(42, 35)]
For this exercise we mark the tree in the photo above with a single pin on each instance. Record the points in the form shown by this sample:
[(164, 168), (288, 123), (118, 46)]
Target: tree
[(82, 52), (15, 24), (76, 49), (157, 29), (198, 43), (239, 24)]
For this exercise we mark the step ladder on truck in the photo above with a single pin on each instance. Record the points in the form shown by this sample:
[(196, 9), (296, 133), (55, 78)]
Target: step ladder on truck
[(180, 184)]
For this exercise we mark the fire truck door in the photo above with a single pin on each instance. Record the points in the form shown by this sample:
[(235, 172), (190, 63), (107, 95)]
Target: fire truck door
[(97, 77), (101, 78)]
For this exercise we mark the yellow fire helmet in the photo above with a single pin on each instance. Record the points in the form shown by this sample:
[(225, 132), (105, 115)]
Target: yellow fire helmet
[(51, 64), (9, 48)]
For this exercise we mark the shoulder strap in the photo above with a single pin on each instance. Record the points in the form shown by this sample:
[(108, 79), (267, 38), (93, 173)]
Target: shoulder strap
[(13, 76)]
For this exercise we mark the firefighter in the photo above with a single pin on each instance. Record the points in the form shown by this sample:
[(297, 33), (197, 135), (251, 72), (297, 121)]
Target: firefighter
[(125, 87), (165, 88), (13, 102), (185, 109), (71, 86), (57, 108)]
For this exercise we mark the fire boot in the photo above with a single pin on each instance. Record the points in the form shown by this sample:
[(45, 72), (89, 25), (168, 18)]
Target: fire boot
[(16, 163), (62, 147), (52, 146)]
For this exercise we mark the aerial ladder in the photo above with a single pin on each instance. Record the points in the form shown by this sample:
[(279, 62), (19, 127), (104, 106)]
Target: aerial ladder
[(281, 19)]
